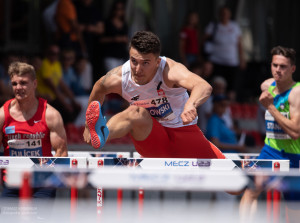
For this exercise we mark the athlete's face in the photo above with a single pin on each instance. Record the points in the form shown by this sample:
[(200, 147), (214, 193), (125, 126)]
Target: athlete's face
[(281, 68), (23, 86), (143, 66)]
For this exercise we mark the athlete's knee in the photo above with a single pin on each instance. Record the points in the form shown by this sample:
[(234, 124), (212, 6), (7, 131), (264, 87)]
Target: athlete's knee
[(140, 122), (137, 113)]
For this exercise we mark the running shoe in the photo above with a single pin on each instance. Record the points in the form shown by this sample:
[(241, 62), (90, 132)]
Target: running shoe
[(96, 123)]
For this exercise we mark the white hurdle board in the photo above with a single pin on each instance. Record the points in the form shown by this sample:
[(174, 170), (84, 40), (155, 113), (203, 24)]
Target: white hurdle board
[(136, 178), (29, 162), (153, 179), (145, 163), (168, 163), (168, 179)]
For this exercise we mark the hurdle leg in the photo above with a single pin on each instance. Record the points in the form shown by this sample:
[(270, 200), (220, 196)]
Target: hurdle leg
[(141, 202), (269, 205), (119, 201), (100, 164), (73, 199), (74, 194), (99, 201), (287, 219), (276, 206), (276, 198), (25, 191), (25, 194), (1, 177)]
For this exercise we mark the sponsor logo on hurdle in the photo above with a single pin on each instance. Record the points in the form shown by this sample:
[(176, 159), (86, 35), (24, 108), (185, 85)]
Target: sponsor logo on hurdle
[(4, 162), (74, 163), (100, 163), (202, 163)]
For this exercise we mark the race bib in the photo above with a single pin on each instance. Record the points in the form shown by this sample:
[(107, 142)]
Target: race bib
[(25, 147), (159, 108), (273, 129)]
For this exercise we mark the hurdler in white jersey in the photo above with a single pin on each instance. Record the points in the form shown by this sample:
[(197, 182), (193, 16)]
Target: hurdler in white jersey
[(162, 116)]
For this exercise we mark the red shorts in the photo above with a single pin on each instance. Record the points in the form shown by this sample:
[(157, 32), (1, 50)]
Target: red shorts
[(183, 142)]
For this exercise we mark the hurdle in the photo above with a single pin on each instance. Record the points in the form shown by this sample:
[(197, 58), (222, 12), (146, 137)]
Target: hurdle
[(211, 164), (139, 177), (166, 179), (153, 164)]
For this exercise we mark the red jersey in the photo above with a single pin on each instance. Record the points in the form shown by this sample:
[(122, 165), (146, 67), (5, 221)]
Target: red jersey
[(26, 138)]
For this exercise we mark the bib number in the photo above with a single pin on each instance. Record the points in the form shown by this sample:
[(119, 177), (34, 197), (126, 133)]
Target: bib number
[(273, 129), (25, 147), (159, 108)]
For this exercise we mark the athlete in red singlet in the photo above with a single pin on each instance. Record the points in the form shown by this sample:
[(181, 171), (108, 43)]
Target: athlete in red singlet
[(26, 138), (28, 125)]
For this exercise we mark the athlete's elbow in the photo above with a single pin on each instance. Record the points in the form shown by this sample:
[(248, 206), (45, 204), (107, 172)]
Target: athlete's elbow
[(208, 89)]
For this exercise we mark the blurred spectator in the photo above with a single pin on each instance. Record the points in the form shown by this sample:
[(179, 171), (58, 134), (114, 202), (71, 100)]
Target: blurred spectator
[(115, 39), (5, 90), (218, 132), (8, 58), (50, 69), (84, 71), (204, 69), (84, 74), (5, 83), (49, 21), (139, 15), (219, 85), (189, 40), (71, 79), (226, 51), (52, 87), (36, 62), (90, 23), (68, 31), (69, 75)]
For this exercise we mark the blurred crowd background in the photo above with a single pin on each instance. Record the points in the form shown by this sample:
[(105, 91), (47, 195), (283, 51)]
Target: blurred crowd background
[(72, 43)]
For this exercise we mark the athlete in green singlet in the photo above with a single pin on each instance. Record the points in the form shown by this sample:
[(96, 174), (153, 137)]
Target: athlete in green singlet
[(281, 98)]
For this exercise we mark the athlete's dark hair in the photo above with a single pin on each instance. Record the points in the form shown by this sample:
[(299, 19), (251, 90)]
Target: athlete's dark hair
[(286, 52), (145, 42)]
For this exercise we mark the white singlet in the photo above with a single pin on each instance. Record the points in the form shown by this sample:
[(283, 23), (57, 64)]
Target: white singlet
[(163, 103)]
